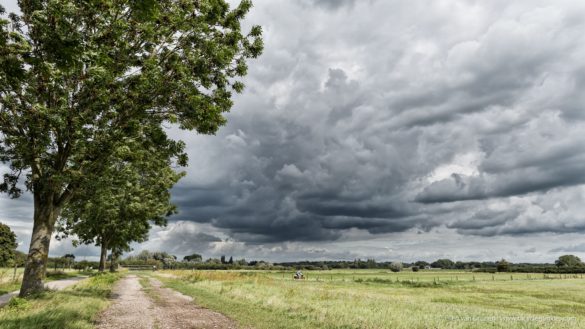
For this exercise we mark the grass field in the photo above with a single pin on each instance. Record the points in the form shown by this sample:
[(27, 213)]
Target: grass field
[(71, 308), (379, 299)]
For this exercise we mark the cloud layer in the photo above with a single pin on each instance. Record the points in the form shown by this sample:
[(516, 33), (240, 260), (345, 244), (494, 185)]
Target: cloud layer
[(385, 120)]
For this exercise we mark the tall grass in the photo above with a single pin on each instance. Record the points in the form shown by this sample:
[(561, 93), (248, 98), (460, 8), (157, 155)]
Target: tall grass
[(74, 307), (377, 299), (10, 282)]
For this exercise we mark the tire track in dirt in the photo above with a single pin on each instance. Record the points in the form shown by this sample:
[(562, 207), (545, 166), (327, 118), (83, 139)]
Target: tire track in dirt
[(157, 307)]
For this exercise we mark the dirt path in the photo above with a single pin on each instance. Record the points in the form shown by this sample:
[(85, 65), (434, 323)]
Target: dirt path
[(54, 285), (156, 307)]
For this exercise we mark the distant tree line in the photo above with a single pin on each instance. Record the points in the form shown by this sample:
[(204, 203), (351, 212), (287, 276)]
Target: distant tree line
[(565, 264), (9, 256)]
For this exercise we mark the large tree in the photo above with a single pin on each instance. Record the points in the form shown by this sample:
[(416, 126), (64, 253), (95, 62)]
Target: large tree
[(79, 79), (7, 245)]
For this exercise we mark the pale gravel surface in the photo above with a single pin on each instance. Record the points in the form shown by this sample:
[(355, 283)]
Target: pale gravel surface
[(53, 285), (131, 308), (159, 308)]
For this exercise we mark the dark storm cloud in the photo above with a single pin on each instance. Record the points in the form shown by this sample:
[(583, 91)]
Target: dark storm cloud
[(356, 126)]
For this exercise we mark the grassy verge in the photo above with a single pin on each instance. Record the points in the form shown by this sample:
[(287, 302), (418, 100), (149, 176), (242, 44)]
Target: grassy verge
[(74, 307), (148, 289), (8, 285)]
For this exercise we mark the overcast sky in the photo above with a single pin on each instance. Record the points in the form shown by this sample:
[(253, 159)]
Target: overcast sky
[(394, 130)]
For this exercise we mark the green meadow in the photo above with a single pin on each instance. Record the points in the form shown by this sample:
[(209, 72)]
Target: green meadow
[(335, 299), (382, 299)]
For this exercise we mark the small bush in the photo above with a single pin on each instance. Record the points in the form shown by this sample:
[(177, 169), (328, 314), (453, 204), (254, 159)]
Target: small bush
[(396, 266), (415, 268)]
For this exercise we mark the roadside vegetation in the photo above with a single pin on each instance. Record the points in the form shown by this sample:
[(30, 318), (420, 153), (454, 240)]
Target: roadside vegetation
[(75, 307), (381, 299), (10, 281)]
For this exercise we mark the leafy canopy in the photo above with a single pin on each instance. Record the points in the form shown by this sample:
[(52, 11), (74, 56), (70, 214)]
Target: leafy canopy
[(118, 206), (569, 261), (80, 79), (7, 245)]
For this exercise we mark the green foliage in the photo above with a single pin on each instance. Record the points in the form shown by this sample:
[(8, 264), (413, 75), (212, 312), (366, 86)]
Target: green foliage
[(443, 263), (19, 258), (118, 207), (68, 260), (161, 259), (193, 258), (395, 266), (81, 78), (7, 245), (421, 264), (85, 265), (569, 261), (502, 266)]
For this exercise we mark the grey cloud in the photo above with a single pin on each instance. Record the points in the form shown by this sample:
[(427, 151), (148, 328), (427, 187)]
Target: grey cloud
[(483, 219), (330, 4), (573, 248), (558, 211), (181, 238), (545, 154), (328, 148)]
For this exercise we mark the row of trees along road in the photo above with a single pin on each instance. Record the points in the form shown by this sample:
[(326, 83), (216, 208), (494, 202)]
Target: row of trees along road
[(85, 89)]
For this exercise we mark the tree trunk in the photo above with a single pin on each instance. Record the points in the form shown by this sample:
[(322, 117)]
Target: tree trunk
[(103, 256), (113, 262), (45, 215)]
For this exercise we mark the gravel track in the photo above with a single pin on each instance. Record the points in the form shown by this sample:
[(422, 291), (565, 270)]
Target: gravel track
[(157, 307)]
